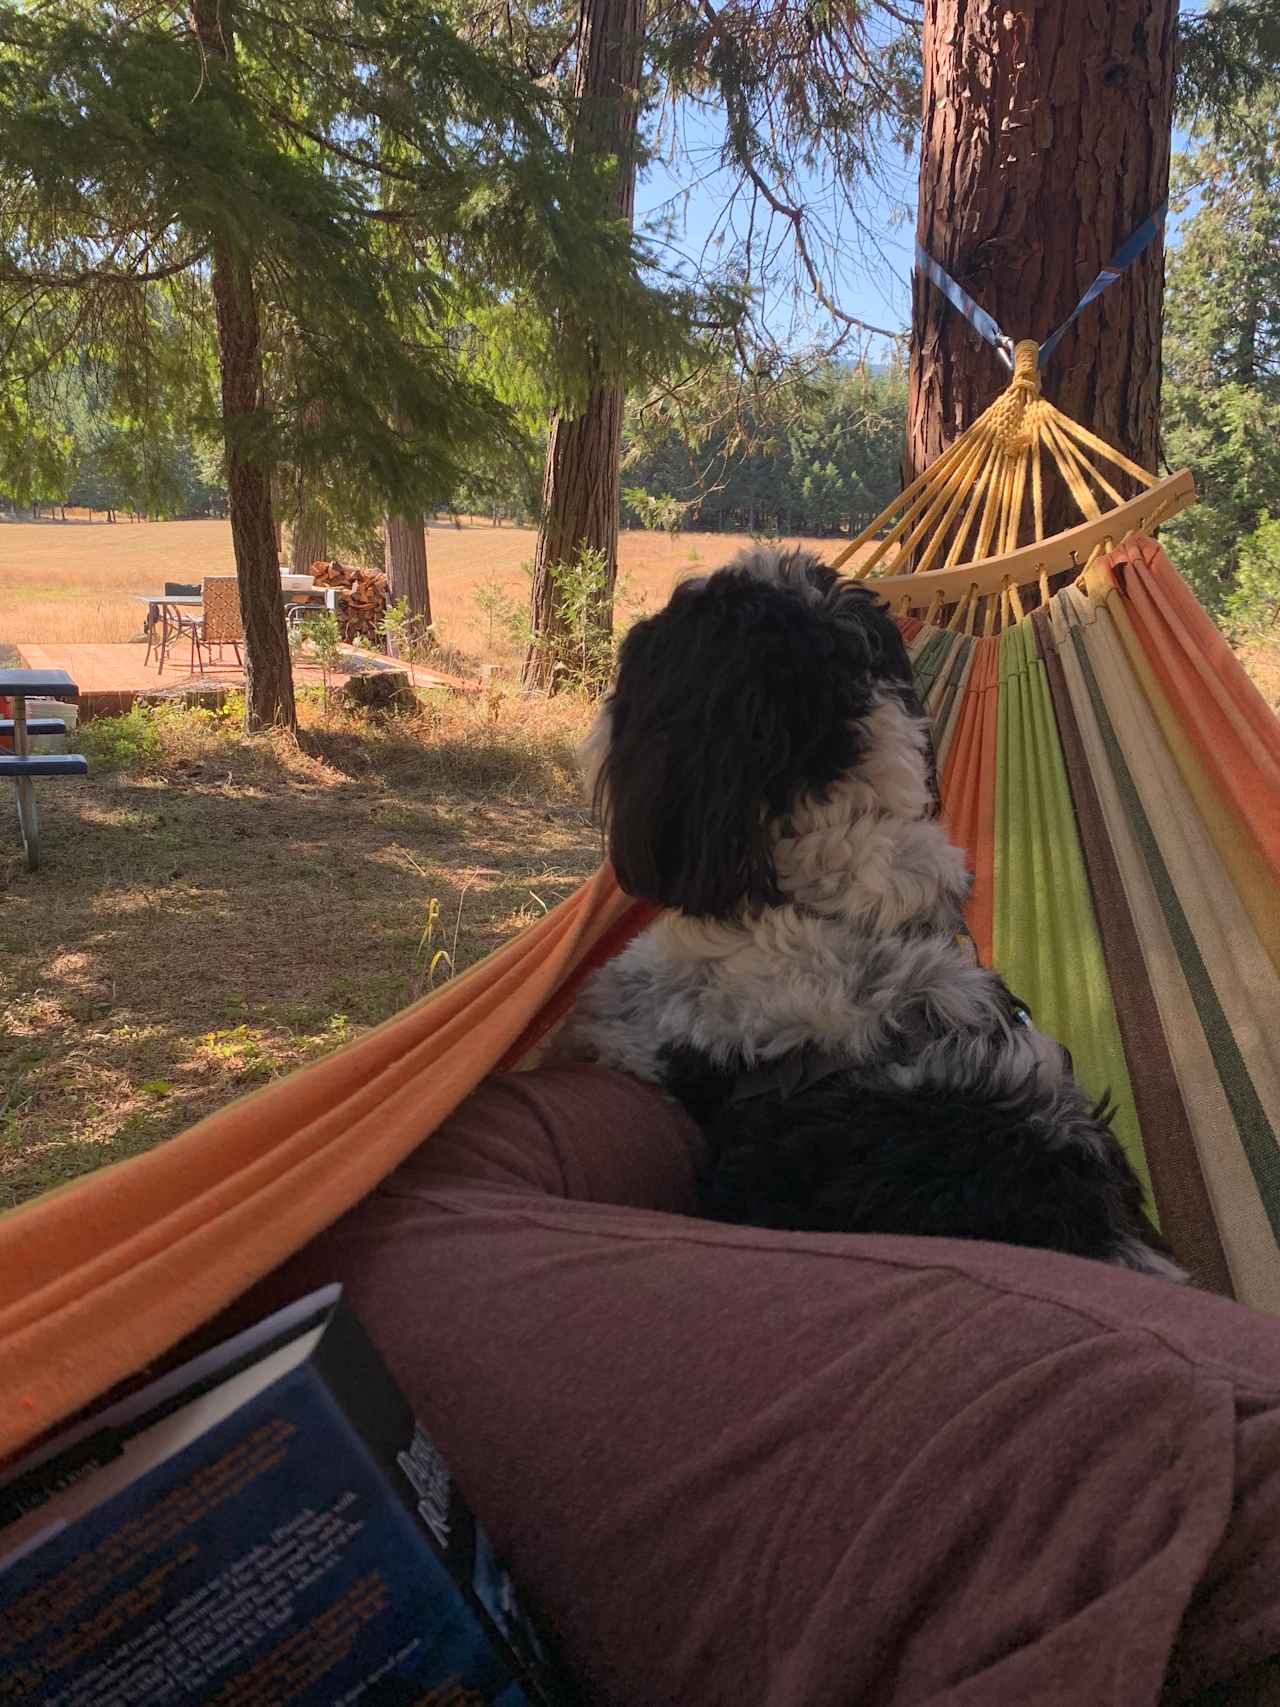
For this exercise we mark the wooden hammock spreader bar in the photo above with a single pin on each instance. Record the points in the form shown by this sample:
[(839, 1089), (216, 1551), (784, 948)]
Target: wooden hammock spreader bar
[(1055, 556), (974, 499)]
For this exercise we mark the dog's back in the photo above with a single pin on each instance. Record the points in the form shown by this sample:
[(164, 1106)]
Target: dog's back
[(763, 771)]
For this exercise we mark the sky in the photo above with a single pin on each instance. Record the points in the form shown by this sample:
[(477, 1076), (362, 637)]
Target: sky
[(871, 280)]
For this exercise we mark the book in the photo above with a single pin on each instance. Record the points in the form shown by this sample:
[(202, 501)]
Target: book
[(268, 1523)]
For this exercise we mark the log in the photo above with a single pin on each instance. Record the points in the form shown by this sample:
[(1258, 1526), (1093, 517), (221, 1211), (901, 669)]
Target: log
[(362, 597)]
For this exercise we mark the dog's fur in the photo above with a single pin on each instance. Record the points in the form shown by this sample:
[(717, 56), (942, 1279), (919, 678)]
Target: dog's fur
[(763, 771)]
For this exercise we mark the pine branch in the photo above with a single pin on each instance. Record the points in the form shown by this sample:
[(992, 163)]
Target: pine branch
[(1226, 57), (41, 279), (740, 133)]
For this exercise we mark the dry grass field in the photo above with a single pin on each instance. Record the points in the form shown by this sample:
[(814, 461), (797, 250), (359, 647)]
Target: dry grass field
[(74, 580)]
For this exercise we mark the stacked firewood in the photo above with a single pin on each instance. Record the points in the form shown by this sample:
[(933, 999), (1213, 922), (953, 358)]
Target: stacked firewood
[(361, 601)]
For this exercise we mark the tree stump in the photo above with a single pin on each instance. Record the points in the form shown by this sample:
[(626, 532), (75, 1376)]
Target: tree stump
[(380, 690)]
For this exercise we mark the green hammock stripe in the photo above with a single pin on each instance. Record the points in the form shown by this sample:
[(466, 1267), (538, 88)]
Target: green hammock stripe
[(932, 656), (950, 697), (1257, 1136), (1045, 937), (1177, 1178)]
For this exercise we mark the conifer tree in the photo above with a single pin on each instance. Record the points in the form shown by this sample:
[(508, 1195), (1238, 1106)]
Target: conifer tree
[(237, 153)]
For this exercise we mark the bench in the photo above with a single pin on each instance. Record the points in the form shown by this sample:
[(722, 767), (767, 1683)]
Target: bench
[(22, 765), (35, 726), (43, 764)]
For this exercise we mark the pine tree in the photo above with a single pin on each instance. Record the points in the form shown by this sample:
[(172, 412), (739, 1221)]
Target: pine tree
[(581, 485), (405, 539), (245, 160), (1222, 356), (1046, 141), (802, 97)]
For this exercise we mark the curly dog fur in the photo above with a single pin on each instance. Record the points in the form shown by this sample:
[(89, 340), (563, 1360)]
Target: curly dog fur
[(763, 772)]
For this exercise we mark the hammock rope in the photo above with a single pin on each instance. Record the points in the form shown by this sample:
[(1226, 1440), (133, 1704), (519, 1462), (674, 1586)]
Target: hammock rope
[(980, 487), (987, 327), (973, 506)]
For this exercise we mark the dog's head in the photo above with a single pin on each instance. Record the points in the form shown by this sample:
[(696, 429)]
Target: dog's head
[(750, 691)]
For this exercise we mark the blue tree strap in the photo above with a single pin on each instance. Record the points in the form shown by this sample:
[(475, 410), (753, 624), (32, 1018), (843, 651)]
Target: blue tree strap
[(959, 297), (1124, 257), (986, 326)]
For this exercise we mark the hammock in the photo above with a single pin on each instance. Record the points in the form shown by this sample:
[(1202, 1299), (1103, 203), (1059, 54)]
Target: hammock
[(1116, 779)]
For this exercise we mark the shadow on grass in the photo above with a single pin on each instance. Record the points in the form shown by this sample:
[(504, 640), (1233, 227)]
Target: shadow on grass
[(452, 745), (212, 912), (474, 763)]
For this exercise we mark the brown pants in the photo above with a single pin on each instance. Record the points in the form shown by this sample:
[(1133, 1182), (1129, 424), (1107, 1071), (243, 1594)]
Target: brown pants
[(752, 1468)]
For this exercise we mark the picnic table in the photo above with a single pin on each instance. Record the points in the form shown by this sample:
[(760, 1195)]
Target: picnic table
[(17, 687)]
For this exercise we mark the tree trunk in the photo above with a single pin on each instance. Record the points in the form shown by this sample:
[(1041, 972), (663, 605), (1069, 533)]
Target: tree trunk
[(268, 671), (406, 564), (308, 539), (1046, 142), (581, 485), (580, 505)]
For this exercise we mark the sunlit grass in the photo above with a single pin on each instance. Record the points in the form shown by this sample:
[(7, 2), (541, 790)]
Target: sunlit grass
[(213, 911)]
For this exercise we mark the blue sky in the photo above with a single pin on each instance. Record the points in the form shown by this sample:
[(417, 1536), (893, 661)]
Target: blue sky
[(870, 280)]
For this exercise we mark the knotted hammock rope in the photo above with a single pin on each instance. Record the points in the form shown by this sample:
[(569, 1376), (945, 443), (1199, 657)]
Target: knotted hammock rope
[(984, 494)]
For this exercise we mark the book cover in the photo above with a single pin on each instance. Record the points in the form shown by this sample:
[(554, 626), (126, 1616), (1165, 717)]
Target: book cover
[(267, 1525)]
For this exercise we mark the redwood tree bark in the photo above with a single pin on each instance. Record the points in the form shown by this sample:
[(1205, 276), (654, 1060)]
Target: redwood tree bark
[(268, 672), (1045, 142), (406, 563), (580, 488)]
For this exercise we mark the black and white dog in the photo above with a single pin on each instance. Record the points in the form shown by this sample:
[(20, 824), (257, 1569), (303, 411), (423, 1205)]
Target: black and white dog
[(763, 771)]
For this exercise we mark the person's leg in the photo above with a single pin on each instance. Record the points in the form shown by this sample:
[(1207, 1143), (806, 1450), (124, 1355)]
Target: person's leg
[(742, 1467)]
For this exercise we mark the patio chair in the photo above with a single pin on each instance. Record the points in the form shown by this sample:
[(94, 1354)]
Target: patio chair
[(220, 623), (167, 619)]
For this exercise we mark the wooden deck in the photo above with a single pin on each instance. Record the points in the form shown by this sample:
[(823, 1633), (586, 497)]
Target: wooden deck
[(112, 678)]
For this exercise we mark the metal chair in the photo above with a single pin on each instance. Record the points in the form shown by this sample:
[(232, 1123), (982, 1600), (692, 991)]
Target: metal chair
[(167, 618)]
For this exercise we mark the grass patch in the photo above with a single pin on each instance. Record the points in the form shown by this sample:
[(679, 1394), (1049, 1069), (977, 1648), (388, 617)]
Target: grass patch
[(1261, 658), (213, 910)]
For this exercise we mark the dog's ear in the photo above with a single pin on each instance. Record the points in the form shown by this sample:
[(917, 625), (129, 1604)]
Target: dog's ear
[(739, 697)]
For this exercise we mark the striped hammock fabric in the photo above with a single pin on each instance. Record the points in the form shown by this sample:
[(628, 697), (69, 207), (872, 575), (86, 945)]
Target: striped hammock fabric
[(1116, 780)]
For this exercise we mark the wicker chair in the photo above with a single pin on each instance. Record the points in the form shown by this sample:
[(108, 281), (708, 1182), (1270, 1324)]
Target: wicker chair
[(220, 624)]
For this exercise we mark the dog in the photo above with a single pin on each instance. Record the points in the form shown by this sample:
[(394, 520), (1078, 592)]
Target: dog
[(763, 771)]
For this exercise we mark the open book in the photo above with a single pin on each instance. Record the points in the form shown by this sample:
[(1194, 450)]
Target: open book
[(266, 1524)]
